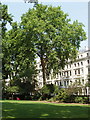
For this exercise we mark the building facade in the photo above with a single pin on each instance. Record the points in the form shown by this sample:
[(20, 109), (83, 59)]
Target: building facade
[(74, 72)]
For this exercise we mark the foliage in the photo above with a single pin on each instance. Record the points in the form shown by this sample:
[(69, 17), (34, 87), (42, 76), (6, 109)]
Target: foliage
[(54, 37), (52, 99), (48, 90), (62, 95), (5, 18), (88, 82), (75, 88), (19, 64), (13, 89), (36, 96), (81, 99)]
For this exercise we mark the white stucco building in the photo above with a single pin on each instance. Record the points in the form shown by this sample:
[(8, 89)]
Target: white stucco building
[(77, 71)]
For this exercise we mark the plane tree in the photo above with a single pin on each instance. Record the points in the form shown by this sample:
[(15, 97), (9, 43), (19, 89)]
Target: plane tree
[(55, 37)]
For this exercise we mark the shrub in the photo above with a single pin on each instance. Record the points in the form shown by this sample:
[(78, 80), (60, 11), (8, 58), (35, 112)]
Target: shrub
[(40, 99), (62, 95), (48, 91), (52, 99), (79, 100), (85, 100), (36, 96)]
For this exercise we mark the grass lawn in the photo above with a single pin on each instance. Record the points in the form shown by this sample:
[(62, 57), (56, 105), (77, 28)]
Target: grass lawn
[(32, 109)]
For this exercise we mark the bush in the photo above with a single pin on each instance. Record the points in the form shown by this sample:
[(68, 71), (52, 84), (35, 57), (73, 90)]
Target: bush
[(36, 96), (48, 91), (85, 100), (40, 99), (52, 99), (62, 95), (81, 100)]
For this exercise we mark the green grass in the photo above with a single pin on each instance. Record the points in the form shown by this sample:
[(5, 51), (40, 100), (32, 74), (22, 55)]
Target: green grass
[(32, 109)]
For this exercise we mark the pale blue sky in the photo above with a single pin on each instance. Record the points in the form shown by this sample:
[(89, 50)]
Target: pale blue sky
[(76, 10)]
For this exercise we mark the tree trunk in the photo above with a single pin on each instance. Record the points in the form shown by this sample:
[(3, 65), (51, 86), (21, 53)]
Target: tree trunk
[(43, 70)]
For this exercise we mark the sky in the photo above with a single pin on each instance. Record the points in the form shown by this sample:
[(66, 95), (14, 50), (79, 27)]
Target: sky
[(77, 10)]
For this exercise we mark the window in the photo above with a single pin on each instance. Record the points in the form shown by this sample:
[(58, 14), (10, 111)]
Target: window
[(64, 73), (60, 73), (87, 54), (81, 63), (82, 81), (78, 56), (88, 61), (70, 82), (67, 82), (70, 73), (75, 64), (82, 70), (75, 72), (55, 83), (60, 83), (78, 64), (67, 73), (78, 71), (70, 66), (64, 83)]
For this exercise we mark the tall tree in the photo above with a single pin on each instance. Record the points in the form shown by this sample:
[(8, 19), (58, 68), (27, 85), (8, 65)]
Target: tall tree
[(4, 19), (18, 63), (54, 36), (20, 59)]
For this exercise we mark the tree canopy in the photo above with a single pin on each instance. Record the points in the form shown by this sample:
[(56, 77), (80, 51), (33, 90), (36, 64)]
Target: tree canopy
[(44, 31), (54, 37), (18, 63), (5, 18)]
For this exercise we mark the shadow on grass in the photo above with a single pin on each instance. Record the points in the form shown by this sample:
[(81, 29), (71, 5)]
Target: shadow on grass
[(43, 110)]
